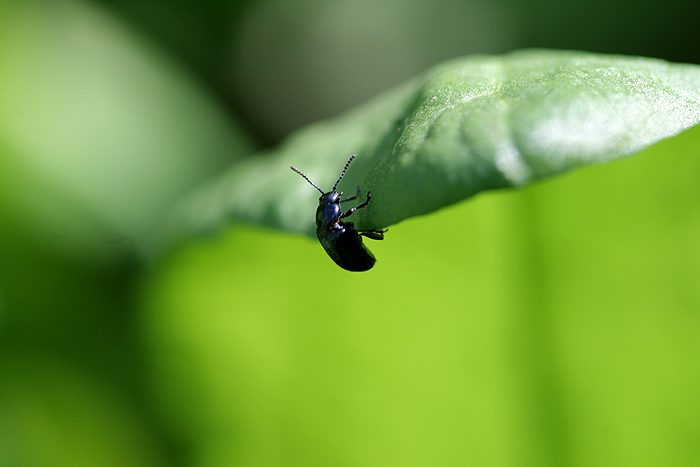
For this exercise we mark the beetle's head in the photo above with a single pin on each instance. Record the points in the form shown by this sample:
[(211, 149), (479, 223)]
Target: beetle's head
[(332, 197)]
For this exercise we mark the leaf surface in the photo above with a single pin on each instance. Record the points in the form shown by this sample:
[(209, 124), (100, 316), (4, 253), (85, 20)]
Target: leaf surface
[(467, 125)]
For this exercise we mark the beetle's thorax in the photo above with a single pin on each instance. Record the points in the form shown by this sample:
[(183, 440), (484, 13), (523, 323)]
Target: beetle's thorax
[(328, 212)]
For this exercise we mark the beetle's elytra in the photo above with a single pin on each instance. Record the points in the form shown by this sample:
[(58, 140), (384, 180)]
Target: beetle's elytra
[(341, 240)]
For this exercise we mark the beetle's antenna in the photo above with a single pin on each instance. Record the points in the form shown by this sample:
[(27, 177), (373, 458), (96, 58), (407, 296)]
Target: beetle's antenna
[(344, 170), (307, 178)]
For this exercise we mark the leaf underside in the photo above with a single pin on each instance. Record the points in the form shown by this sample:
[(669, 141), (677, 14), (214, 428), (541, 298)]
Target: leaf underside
[(467, 125)]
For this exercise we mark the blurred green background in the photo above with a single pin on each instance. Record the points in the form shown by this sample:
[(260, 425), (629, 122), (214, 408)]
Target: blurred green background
[(553, 325)]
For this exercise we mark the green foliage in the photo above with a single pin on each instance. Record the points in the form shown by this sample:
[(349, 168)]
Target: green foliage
[(552, 325), (549, 326), (99, 131)]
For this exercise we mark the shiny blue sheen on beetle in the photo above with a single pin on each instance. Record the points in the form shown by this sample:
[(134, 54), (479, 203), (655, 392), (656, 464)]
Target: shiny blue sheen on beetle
[(341, 240)]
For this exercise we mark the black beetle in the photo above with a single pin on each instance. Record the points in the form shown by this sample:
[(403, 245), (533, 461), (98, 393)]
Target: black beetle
[(341, 240)]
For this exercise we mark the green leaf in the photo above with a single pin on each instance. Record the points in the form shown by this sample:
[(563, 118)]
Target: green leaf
[(100, 131), (471, 124)]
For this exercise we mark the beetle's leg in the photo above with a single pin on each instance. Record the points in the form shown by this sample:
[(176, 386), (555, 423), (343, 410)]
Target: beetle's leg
[(351, 197), (372, 233), (359, 206)]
